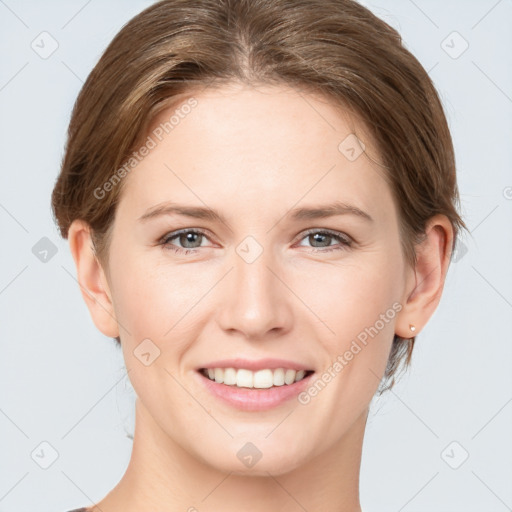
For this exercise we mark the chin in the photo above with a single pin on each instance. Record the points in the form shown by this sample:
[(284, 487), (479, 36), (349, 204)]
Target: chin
[(258, 458)]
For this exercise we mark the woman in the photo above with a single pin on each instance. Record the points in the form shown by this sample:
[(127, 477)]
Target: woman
[(260, 198)]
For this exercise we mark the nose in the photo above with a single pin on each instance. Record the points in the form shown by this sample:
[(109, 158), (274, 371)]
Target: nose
[(256, 303)]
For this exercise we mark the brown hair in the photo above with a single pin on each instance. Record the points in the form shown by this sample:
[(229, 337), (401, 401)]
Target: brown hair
[(336, 48)]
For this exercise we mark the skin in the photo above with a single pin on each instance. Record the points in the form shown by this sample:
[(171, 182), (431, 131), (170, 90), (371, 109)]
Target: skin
[(254, 154)]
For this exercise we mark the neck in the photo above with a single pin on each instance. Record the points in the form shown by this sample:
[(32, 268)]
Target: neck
[(161, 475)]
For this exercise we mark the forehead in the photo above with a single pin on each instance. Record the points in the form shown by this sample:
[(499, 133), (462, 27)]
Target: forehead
[(269, 146)]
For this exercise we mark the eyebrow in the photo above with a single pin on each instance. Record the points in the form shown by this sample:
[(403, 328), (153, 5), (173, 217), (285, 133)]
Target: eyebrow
[(304, 213)]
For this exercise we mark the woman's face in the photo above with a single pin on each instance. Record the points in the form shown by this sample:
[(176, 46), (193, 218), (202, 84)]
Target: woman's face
[(274, 284)]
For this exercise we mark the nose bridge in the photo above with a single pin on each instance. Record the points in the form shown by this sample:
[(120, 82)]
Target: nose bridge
[(256, 302)]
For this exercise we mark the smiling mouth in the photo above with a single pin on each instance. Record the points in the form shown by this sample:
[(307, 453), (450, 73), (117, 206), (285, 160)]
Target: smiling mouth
[(261, 379)]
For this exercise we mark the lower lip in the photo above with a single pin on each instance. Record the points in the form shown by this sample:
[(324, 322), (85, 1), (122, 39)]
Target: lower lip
[(253, 399)]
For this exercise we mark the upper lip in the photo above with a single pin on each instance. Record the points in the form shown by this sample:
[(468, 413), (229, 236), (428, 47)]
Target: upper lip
[(255, 365)]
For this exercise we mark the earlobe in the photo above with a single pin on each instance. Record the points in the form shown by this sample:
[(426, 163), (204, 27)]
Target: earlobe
[(426, 281), (92, 280)]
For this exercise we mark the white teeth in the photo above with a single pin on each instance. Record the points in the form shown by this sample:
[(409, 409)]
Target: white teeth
[(244, 378), (300, 375), (279, 377), (261, 379), (289, 376), (230, 376)]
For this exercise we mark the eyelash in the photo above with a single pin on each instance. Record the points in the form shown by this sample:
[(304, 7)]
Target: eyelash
[(345, 241)]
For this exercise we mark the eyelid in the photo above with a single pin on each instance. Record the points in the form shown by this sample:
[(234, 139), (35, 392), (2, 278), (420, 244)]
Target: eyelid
[(300, 236), (345, 241), (173, 234), (343, 236)]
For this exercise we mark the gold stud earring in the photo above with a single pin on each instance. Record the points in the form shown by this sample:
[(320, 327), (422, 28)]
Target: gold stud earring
[(412, 327)]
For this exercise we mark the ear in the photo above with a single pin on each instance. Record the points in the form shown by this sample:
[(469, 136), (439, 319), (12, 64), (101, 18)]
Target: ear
[(425, 282), (92, 280)]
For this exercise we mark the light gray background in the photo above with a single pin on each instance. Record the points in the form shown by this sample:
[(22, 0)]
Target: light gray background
[(62, 382)]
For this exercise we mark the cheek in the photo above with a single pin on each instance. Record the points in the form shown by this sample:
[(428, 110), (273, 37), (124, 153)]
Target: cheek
[(158, 301), (350, 296), (359, 314), (357, 304)]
